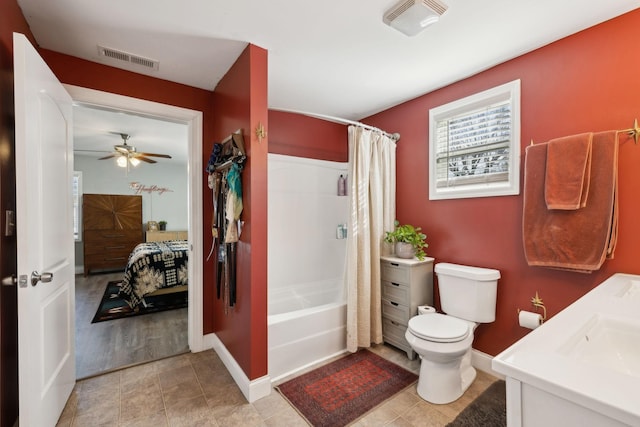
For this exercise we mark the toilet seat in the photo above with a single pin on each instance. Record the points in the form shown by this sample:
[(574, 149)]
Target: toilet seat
[(438, 327)]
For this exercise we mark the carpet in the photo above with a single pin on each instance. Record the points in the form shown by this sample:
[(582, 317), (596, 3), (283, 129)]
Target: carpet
[(486, 410), (112, 306), (342, 391)]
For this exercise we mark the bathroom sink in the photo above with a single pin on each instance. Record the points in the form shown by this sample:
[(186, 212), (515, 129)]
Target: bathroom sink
[(608, 342), (630, 291), (582, 364)]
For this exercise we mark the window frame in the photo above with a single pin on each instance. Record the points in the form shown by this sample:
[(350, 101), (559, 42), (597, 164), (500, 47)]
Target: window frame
[(506, 92)]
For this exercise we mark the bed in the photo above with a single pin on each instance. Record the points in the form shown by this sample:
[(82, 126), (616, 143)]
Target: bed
[(155, 268)]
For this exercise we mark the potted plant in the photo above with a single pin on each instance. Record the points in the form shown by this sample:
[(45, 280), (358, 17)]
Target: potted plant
[(409, 241), (162, 225)]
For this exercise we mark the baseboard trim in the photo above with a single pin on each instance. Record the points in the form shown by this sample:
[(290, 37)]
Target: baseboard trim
[(251, 389), (261, 387), (275, 381), (482, 361)]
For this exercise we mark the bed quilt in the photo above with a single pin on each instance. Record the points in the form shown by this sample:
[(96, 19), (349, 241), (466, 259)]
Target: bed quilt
[(153, 266)]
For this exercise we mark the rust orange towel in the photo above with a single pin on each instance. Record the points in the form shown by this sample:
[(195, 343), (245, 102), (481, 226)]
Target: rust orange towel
[(568, 168), (577, 240)]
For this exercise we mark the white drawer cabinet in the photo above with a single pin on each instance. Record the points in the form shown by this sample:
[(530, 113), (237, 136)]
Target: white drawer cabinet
[(406, 284)]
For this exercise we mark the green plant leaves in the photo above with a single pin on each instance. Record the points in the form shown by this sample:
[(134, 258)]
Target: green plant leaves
[(409, 234)]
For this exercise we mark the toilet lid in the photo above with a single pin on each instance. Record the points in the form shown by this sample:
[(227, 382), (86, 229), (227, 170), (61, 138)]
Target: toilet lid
[(438, 327)]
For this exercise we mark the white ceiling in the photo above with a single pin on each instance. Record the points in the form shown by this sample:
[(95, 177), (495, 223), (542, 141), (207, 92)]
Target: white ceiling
[(330, 57), (96, 131)]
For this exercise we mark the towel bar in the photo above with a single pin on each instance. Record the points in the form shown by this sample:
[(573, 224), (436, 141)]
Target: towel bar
[(633, 132)]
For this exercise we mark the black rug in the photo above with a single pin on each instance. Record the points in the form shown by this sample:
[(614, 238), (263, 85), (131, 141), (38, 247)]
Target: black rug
[(487, 410), (113, 306)]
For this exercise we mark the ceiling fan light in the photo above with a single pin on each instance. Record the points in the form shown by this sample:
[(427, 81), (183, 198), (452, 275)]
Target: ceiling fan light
[(122, 161), (134, 162)]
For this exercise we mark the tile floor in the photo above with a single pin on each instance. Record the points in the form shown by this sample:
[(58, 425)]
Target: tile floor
[(195, 389)]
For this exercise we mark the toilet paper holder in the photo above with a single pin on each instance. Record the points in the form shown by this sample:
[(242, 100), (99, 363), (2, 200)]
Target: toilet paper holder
[(537, 303)]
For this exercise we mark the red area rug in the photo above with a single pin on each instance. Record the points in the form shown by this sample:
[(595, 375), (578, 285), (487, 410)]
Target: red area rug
[(342, 391)]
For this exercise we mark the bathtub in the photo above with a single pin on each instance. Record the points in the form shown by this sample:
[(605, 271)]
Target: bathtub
[(306, 296), (314, 331)]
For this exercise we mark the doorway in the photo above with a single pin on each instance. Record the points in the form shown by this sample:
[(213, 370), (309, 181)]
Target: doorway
[(193, 121)]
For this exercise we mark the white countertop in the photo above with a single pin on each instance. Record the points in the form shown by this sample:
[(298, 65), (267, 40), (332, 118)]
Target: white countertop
[(560, 357)]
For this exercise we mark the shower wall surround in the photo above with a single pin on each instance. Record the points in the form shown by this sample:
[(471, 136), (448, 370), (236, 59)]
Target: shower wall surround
[(306, 293), (304, 212)]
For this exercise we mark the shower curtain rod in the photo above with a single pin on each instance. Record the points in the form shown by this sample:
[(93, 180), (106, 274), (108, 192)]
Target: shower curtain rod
[(395, 136)]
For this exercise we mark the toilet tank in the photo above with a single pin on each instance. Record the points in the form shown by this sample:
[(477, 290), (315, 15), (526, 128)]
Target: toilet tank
[(468, 292)]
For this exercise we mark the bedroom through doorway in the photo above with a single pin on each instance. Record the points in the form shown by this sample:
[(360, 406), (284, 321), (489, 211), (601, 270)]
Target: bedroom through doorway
[(103, 345)]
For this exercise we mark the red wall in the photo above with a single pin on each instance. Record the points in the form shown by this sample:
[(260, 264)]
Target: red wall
[(586, 82), (257, 211), (240, 100), (79, 72), (302, 136)]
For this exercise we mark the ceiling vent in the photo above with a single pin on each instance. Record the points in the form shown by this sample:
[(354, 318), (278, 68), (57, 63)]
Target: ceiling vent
[(412, 16), (128, 57)]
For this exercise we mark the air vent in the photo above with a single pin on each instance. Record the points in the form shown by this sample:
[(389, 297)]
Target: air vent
[(128, 57), (412, 16)]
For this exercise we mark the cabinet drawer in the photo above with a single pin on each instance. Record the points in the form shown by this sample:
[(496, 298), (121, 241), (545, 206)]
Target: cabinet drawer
[(394, 311), (394, 272), (120, 247), (393, 333), (117, 236), (105, 261), (109, 247), (396, 292), (395, 330), (110, 256)]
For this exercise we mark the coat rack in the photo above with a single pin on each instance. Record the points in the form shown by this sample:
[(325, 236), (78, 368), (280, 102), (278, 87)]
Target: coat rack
[(225, 180), (231, 151)]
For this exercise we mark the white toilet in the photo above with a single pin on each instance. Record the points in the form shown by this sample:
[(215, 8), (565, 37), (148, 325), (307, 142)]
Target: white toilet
[(443, 341)]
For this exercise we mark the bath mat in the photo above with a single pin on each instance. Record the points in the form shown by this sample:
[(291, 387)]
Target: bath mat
[(113, 307), (342, 391), (486, 410)]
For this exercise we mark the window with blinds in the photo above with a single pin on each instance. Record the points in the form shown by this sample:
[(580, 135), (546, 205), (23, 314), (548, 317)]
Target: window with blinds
[(475, 145)]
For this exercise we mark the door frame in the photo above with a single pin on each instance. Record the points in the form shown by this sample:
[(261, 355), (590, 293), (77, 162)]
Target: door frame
[(194, 120)]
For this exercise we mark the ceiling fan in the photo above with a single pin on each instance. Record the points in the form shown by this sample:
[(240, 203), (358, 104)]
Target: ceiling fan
[(126, 154)]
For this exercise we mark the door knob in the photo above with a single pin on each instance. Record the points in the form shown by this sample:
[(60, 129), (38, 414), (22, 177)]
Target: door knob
[(37, 277)]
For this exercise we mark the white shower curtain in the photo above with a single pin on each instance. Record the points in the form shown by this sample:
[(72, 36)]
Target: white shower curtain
[(372, 188)]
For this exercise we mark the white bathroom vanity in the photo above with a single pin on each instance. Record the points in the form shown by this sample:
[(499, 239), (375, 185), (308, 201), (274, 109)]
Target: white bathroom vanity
[(582, 367)]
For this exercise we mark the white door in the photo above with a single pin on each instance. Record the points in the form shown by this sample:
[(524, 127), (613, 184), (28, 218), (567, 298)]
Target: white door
[(44, 219)]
